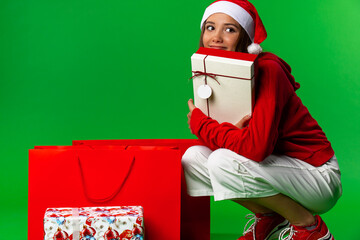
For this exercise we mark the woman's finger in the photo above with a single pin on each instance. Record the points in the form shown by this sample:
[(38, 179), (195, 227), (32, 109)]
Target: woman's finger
[(191, 105), (243, 122)]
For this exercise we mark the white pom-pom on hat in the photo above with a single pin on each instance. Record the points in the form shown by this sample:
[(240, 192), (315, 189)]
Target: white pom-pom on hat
[(254, 48), (246, 15)]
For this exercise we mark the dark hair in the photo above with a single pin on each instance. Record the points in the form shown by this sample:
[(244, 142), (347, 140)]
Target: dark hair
[(243, 41)]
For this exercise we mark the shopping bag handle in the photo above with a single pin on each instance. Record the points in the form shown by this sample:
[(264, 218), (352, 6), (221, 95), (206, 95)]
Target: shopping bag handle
[(113, 195)]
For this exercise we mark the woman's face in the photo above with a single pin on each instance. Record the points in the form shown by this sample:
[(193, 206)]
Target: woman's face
[(221, 32)]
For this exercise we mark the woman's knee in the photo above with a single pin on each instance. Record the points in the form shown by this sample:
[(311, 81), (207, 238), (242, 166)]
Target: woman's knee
[(224, 158), (195, 155), (218, 162)]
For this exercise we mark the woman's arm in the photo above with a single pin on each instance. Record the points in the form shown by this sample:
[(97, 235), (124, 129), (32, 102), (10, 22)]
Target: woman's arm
[(258, 139)]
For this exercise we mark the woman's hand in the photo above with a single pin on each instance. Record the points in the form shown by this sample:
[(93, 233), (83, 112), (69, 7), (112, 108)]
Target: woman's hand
[(191, 108), (244, 122)]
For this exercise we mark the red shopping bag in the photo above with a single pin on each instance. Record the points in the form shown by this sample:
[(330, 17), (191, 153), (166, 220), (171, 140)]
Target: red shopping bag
[(107, 176), (195, 211)]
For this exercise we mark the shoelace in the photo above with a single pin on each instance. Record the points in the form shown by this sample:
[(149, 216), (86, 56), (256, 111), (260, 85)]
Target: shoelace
[(289, 230), (251, 217)]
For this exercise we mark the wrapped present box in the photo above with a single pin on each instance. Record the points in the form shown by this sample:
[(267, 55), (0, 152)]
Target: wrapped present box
[(223, 83), (94, 223)]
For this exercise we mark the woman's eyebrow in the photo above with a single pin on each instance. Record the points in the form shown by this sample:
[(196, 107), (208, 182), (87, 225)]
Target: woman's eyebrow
[(231, 25), (209, 22)]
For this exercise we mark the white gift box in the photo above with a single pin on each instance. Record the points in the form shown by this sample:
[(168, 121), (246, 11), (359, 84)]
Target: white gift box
[(223, 83)]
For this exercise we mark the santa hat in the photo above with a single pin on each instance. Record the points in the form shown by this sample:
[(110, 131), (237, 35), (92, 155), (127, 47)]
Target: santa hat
[(246, 15)]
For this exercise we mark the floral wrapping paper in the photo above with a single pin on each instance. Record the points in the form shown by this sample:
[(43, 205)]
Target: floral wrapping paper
[(94, 223)]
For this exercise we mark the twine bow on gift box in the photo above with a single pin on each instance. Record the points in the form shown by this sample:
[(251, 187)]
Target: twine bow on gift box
[(200, 73), (213, 76), (204, 73)]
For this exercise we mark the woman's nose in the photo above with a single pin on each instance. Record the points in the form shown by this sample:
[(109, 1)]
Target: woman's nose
[(217, 37)]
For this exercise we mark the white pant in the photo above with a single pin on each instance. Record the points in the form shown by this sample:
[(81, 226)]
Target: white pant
[(227, 175)]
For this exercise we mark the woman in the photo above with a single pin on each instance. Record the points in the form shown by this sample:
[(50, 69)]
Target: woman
[(277, 163)]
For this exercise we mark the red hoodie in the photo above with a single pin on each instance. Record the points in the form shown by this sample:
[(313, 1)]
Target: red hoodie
[(280, 123)]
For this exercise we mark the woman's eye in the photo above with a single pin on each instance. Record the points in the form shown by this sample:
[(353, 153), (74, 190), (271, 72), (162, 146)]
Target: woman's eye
[(210, 28), (230, 30)]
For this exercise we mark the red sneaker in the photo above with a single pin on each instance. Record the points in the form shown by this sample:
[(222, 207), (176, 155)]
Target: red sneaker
[(320, 232), (264, 227)]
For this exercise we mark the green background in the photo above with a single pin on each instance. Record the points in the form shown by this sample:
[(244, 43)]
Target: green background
[(76, 69)]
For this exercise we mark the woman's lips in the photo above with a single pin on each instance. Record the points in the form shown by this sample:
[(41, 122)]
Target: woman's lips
[(218, 47)]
